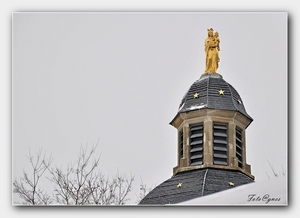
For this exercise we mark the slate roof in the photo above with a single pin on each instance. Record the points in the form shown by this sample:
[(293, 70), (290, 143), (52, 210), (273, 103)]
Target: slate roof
[(208, 87), (194, 184)]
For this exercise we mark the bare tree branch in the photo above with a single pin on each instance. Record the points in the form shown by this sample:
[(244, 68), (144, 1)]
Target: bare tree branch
[(81, 183), (27, 188), (143, 191)]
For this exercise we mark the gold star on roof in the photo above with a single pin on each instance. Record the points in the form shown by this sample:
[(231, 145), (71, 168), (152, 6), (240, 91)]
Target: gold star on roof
[(221, 92), (196, 95), (179, 185), (239, 101), (231, 183)]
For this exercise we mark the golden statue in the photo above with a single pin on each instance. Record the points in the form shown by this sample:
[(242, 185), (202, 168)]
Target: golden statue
[(212, 48)]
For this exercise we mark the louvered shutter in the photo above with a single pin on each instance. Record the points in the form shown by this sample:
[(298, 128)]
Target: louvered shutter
[(181, 144), (196, 144), (239, 146), (220, 144)]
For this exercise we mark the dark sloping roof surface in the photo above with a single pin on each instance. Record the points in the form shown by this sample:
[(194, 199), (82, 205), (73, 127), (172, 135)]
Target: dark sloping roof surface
[(194, 184), (208, 87)]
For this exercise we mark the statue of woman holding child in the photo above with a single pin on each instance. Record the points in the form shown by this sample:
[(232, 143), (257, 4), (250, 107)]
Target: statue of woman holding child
[(212, 48)]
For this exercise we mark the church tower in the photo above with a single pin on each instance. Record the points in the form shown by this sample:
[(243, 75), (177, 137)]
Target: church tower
[(211, 125)]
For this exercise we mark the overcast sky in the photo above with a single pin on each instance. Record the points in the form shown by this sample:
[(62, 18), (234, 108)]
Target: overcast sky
[(119, 78)]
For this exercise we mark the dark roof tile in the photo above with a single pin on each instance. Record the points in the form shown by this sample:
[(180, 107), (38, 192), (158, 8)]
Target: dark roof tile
[(195, 183), (208, 87)]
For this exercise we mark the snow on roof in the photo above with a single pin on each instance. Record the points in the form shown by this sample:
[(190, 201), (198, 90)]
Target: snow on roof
[(268, 192)]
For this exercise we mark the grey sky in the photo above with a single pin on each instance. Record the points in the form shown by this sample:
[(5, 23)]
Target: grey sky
[(119, 78)]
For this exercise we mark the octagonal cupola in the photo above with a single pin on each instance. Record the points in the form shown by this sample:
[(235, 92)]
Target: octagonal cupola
[(211, 125), (212, 121)]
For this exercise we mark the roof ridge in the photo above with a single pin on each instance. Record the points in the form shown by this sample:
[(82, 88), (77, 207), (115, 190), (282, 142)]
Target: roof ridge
[(207, 91), (231, 95), (204, 180)]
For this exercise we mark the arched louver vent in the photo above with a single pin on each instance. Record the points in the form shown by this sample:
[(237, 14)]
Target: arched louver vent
[(181, 144), (239, 147), (220, 144), (196, 144)]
